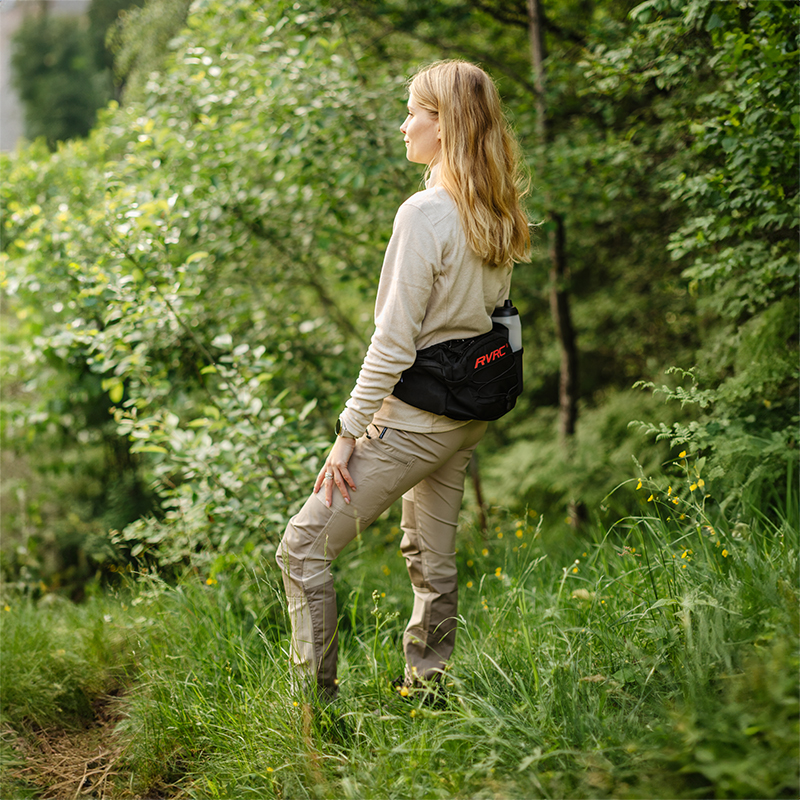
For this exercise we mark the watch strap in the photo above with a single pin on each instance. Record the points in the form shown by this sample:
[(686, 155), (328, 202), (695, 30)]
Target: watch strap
[(341, 430)]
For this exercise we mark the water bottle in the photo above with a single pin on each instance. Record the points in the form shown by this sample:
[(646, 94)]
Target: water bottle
[(509, 316)]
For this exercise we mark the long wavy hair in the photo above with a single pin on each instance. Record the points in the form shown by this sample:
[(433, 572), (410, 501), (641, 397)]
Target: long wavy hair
[(479, 162)]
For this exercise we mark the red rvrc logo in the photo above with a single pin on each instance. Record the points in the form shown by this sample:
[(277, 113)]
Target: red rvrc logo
[(482, 361)]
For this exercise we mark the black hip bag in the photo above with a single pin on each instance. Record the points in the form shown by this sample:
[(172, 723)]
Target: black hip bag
[(475, 378)]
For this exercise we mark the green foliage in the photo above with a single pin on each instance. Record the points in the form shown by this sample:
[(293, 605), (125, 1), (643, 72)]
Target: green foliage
[(63, 71), (56, 77), (533, 468), (600, 170), (200, 270), (59, 657), (739, 745), (755, 464), (732, 68), (215, 302), (140, 42), (104, 16), (655, 659)]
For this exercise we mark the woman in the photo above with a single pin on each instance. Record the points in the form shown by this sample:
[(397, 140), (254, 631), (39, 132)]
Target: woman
[(447, 266)]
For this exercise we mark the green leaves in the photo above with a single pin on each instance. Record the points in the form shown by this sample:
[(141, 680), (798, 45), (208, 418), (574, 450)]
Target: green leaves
[(191, 252), (203, 265), (730, 72)]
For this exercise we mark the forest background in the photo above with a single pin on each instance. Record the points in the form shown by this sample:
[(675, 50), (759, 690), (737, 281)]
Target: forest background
[(190, 252)]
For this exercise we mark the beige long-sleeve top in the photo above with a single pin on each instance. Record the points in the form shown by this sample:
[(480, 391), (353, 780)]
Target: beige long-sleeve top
[(433, 287)]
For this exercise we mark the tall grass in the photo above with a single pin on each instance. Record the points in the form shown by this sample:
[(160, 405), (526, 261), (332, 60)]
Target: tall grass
[(657, 659), (56, 659)]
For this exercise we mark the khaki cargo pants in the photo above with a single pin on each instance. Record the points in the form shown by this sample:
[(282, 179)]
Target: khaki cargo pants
[(427, 470)]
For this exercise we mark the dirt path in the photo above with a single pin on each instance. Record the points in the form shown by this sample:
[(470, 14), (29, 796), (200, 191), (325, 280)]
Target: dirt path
[(70, 764)]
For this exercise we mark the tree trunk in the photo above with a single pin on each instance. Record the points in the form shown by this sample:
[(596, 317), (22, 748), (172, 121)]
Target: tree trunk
[(537, 57), (559, 290), (562, 319)]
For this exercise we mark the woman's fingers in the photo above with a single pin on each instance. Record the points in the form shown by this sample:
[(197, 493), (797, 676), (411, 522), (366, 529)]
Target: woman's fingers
[(335, 471), (329, 491), (320, 479), (345, 473)]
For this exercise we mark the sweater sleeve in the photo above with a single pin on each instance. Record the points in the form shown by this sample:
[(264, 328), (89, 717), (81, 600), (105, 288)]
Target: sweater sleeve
[(410, 267)]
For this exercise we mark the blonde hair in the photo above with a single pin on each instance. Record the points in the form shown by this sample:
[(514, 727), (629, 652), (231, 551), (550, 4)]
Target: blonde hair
[(479, 162)]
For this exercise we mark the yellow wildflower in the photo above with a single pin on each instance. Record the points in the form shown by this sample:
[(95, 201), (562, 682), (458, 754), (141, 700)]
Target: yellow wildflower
[(650, 499), (693, 487), (269, 769), (701, 482), (470, 563), (210, 581), (404, 692), (682, 454), (500, 535), (469, 584), (498, 572), (639, 485), (519, 534), (484, 552), (724, 553)]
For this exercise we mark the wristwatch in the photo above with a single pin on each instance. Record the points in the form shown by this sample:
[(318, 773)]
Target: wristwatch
[(341, 430)]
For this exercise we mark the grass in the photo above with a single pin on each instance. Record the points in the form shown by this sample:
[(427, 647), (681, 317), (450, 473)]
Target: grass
[(655, 660)]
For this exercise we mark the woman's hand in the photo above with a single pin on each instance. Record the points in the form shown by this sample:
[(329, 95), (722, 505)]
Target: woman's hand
[(335, 470)]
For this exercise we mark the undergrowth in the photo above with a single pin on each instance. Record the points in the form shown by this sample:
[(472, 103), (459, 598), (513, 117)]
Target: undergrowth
[(656, 659)]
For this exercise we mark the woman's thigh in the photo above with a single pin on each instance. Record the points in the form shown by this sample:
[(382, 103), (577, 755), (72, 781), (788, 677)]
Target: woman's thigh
[(383, 468)]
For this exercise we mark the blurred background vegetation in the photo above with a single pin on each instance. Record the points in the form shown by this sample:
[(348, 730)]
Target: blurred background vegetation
[(192, 238)]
